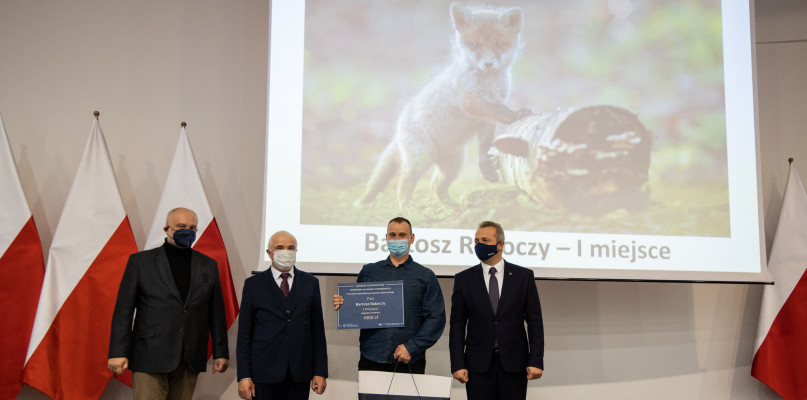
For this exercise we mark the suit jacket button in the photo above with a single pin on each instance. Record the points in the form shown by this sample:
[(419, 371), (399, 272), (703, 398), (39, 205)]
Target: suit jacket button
[(288, 312)]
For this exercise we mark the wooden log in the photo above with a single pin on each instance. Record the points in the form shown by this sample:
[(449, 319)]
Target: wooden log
[(591, 159)]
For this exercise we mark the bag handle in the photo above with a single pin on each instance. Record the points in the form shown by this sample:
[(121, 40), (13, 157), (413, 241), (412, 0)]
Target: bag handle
[(393, 378)]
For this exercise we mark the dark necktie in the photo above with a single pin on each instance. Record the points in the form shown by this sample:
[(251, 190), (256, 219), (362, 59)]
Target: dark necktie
[(284, 286), (493, 289)]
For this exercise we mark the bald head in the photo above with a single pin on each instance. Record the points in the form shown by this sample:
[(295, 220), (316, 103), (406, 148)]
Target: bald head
[(180, 212), (282, 240), (178, 219)]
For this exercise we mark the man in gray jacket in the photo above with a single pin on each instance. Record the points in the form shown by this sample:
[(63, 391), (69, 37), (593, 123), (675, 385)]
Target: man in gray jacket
[(177, 296)]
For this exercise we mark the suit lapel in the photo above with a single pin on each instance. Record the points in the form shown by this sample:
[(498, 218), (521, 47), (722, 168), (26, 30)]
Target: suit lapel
[(161, 260), (296, 287), (272, 289), (481, 287), (196, 267), (508, 284)]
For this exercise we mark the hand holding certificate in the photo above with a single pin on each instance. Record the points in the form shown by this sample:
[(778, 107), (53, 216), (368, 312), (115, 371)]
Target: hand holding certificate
[(371, 305)]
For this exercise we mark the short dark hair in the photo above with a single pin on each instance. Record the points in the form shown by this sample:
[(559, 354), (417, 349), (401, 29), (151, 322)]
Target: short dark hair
[(499, 235), (401, 220)]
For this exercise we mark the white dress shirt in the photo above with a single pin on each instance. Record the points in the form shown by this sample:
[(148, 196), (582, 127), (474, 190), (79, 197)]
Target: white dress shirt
[(279, 280)]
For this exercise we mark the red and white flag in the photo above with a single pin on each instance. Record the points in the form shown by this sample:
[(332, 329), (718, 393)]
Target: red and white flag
[(67, 355), (781, 345), (184, 188), (21, 270)]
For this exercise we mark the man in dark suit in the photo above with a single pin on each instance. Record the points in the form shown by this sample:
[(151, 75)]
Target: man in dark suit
[(281, 346), (490, 351), (177, 294)]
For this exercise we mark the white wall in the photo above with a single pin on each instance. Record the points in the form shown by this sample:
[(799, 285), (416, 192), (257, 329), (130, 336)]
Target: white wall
[(149, 65)]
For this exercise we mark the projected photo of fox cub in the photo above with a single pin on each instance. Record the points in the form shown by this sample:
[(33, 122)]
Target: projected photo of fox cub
[(464, 101), (553, 115)]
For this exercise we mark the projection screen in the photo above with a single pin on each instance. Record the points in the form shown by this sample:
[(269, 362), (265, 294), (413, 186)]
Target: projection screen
[(612, 139)]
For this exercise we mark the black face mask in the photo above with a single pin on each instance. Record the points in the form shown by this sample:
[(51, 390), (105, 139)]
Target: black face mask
[(486, 251), (184, 237)]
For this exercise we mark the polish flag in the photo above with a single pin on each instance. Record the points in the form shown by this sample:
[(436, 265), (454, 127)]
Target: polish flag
[(21, 270), (781, 345), (184, 188), (67, 355)]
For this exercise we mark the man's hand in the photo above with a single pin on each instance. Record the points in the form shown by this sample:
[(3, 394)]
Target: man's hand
[(337, 302), (220, 365), (246, 389), (534, 373), (401, 354), (318, 384), (461, 375), (118, 364)]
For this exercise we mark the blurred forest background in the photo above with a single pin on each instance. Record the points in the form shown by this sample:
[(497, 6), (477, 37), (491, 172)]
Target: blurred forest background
[(663, 60)]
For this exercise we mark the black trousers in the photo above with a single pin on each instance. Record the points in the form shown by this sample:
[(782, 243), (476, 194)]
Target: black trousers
[(496, 383), (418, 367), (286, 390)]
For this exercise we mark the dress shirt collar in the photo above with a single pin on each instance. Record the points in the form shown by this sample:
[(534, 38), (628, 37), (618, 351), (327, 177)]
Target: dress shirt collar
[(276, 273), (499, 269)]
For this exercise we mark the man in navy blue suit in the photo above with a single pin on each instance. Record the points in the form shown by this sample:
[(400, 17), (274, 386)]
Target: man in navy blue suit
[(281, 346), (490, 351)]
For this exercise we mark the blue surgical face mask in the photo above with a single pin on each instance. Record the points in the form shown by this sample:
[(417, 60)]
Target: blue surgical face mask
[(486, 251), (184, 237), (398, 247)]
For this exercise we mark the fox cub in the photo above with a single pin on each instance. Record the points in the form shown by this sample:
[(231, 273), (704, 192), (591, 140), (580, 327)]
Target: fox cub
[(466, 99)]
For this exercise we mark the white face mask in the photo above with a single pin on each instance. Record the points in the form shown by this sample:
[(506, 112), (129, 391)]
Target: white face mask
[(284, 259)]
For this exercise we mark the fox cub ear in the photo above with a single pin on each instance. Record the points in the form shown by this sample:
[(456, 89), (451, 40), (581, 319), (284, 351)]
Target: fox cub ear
[(511, 19), (461, 16)]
